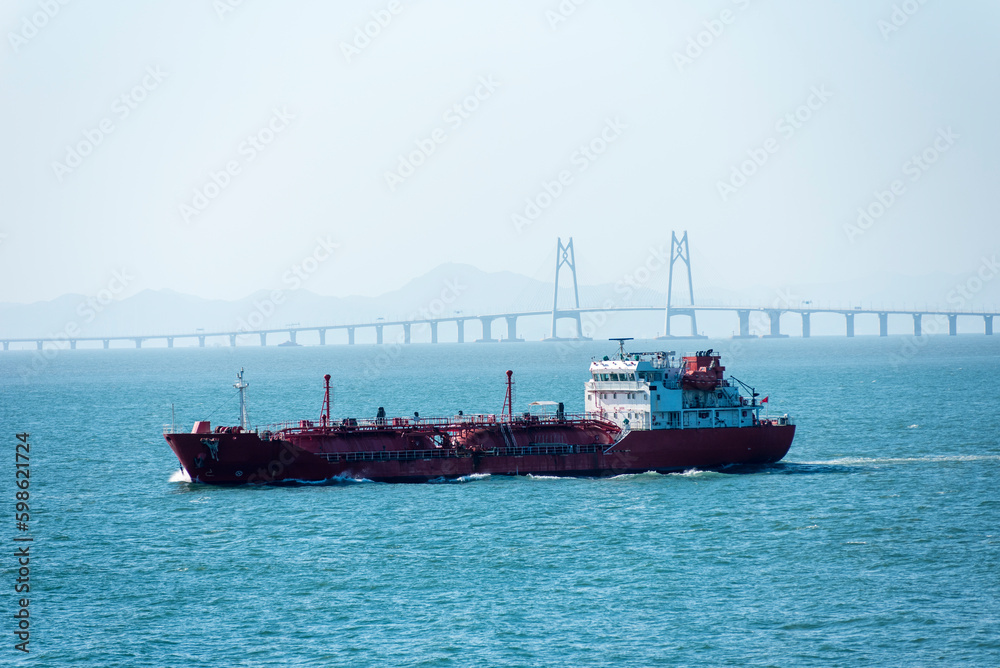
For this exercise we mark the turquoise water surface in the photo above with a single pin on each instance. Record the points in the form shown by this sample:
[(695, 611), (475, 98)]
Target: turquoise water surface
[(876, 541)]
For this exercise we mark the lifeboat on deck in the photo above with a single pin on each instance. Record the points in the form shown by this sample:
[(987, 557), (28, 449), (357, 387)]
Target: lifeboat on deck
[(699, 380), (702, 371)]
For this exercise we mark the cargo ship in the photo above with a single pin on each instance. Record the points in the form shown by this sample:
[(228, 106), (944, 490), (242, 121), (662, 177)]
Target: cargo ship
[(644, 411)]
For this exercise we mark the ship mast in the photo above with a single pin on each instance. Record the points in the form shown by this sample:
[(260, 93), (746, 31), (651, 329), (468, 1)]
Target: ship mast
[(324, 416), (508, 401), (242, 387)]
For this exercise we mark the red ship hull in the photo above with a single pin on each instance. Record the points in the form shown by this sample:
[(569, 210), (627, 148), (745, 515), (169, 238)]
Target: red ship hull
[(584, 449)]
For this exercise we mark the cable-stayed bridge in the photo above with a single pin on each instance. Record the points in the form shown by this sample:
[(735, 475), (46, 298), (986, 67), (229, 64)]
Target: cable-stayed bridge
[(767, 317)]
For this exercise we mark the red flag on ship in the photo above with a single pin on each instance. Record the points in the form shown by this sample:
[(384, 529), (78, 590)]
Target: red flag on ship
[(764, 400)]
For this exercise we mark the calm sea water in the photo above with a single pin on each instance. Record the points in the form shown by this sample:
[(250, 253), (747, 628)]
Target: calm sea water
[(876, 542)]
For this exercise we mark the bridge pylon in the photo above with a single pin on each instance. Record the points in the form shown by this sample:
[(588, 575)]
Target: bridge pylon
[(566, 256), (679, 250)]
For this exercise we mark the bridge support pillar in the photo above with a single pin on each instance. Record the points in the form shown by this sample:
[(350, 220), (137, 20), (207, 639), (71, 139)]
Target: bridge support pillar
[(6, 345), (916, 325), (107, 343), (39, 344), (883, 324), (263, 339), (806, 326), (201, 341), (350, 336), (952, 325), (434, 332), (138, 343), (291, 335), (850, 325), (461, 330), (744, 323), (512, 329), (378, 334), (563, 315), (232, 340), (322, 337), (170, 342), (72, 344), (565, 255), (690, 313), (987, 318), (487, 331), (775, 317), (406, 332)]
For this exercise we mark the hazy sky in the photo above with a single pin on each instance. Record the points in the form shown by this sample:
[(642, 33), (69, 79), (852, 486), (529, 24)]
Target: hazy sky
[(211, 147)]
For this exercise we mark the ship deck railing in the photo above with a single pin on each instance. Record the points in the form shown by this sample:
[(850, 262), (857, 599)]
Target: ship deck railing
[(425, 425), (433, 425)]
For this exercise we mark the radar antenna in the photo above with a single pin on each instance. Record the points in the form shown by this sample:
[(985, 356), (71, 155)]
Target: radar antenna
[(621, 346)]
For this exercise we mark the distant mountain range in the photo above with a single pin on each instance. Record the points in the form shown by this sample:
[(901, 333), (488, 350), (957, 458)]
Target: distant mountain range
[(457, 289)]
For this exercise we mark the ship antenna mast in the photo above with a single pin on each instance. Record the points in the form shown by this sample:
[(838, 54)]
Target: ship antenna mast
[(242, 387), (324, 416), (621, 346), (508, 401)]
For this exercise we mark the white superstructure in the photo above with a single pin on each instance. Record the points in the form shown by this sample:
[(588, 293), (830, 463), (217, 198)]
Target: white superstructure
[(641, 391)]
